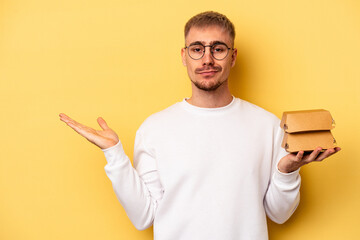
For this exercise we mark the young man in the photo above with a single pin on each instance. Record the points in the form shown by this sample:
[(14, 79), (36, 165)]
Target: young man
[(208, 167)]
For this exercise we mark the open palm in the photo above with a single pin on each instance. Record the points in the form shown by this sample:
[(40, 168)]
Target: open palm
[(104, 138)]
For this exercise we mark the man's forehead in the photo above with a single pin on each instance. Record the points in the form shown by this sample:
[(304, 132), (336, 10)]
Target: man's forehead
[(208, 35)]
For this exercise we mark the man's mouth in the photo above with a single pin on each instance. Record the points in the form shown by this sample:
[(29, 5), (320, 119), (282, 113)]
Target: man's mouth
[(208, 72)]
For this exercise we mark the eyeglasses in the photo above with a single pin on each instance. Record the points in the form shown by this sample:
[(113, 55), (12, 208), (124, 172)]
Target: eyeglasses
[(219, 51)]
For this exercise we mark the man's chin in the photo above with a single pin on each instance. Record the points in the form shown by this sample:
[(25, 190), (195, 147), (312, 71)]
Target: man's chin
[(208, 87)]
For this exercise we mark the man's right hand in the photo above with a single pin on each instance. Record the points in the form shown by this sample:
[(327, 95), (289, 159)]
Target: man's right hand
[(104, 138)]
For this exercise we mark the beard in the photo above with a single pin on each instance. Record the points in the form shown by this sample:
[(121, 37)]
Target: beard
[(207, 88), (204, 86)]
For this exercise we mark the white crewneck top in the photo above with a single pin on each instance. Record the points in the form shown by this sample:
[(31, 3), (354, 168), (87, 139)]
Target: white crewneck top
[(205, 173)]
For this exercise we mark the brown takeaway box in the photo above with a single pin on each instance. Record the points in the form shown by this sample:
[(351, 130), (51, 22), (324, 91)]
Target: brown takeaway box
[(306, 130), (308, 141), (307, 120)]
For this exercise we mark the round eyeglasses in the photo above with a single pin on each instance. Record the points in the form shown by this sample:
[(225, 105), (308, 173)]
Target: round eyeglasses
[(219, 51)]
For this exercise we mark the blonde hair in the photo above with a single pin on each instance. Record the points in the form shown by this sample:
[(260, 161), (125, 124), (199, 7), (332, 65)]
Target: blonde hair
[(210, 18)]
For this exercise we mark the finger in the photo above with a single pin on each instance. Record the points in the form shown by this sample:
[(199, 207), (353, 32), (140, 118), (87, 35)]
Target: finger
[(337, 149), (102, 123), (84, 131), (63, 116), (67, 119), (74, 126), (313, 155), (326, 154), (78, 127), (299, 156)]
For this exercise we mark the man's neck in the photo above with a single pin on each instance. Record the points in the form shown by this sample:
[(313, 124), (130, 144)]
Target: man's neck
[(210, 99)]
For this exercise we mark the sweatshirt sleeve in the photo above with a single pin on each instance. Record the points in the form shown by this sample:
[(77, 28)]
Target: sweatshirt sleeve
[(138, 189), (283, 193)]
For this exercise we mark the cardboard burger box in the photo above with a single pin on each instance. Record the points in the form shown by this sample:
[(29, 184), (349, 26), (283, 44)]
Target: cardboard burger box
[(305, 130)]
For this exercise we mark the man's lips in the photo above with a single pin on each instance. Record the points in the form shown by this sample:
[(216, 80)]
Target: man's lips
[(206, 72)]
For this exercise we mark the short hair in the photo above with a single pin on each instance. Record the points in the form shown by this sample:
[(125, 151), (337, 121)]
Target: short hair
[(211, 18)]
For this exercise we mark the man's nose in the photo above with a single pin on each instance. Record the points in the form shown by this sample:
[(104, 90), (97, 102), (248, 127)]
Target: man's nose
[(208, 59)]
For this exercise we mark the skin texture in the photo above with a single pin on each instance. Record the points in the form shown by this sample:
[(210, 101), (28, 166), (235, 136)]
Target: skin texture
[(209, 83)]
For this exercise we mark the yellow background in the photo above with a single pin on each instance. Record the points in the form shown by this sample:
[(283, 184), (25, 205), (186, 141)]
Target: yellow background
[(121, 60)]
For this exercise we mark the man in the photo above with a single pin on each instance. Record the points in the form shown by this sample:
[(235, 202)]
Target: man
[(208, 167)]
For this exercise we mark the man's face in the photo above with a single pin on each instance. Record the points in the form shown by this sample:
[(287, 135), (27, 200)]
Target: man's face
[(207, 73)]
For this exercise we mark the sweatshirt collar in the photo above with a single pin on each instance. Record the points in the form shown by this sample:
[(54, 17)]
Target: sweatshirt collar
[(193, 108)]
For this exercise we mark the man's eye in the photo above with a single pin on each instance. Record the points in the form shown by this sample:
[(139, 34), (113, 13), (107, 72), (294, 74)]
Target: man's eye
[(218, 49), (196, 49)]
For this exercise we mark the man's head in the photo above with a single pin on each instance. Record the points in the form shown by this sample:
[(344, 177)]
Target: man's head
[(209, 53)]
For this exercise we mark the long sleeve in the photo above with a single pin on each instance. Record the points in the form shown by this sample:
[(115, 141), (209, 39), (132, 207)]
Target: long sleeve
[(138, 190), (205, 173), (282, 196)]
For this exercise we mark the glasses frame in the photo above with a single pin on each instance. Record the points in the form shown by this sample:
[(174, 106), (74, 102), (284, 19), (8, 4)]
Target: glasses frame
[(211, 52)]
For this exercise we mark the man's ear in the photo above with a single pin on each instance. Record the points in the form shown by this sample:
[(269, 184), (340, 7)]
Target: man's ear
[(183, 57), (233, 57)]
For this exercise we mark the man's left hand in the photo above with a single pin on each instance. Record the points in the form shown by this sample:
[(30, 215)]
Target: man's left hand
[(292, 162)]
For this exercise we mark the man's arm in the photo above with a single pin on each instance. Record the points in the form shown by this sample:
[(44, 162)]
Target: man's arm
[(139, 192), (283, 194)]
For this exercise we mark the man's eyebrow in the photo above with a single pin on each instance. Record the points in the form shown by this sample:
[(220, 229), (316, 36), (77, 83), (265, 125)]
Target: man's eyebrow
[(217, 42), (196, 43), (203, 43)]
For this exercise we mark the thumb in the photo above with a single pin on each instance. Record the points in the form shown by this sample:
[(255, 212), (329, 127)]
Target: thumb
[(102, 123)]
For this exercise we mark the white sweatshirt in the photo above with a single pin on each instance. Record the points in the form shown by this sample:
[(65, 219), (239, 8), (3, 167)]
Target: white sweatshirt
[(205, 173)]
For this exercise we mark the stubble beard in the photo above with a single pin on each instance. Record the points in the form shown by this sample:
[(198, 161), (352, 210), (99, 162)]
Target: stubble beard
[(206, 88)]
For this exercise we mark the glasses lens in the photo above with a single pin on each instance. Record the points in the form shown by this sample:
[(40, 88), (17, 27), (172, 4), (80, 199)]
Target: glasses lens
[(219, 51), (196, 51)]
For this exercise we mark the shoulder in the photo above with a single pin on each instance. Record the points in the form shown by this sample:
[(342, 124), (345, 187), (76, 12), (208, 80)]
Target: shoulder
[(162, 117), (257, 113)]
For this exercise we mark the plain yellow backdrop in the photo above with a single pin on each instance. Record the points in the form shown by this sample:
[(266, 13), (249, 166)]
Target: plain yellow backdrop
[(121, 60)]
